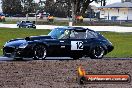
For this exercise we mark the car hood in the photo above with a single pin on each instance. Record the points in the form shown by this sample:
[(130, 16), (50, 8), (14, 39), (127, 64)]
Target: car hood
[(18, 42), (32, 38), (15, 43)]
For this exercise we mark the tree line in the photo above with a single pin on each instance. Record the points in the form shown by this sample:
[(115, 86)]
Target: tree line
[(59, 8), (18, 6)]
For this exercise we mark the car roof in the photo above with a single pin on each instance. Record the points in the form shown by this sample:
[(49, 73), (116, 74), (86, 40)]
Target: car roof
[(25, 21), (28, 21), (74, 28)]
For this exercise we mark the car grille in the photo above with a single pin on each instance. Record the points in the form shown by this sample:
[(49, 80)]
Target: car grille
[(9, 49)]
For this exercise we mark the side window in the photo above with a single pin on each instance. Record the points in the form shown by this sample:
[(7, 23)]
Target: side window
[(73, 35), (65, 35), (77, 34), (91, 34)]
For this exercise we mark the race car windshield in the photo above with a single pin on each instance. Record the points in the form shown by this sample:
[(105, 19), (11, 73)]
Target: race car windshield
[(56, 33), (28, 22)]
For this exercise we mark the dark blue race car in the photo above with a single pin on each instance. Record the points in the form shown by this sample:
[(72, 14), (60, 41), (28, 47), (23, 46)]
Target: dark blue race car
[(26, 24), (75, 42)]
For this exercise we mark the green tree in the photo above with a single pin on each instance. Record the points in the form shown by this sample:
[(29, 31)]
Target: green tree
[(11, 6), (58, 9), (29, 6), (81, 7), (78, 7)]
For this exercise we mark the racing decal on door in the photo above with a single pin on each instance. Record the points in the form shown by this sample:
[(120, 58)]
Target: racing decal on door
[(76, 45)]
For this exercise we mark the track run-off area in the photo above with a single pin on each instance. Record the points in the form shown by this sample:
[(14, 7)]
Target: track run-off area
[(95, 28)]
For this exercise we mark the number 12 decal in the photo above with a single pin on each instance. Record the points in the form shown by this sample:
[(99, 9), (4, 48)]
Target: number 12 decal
[(76, 45)]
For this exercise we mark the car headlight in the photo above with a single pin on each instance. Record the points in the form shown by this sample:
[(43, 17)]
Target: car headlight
[(24, 45)]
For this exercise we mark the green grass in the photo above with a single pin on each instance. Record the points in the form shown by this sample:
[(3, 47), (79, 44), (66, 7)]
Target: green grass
[(9, 22), (122, 41), (126, 24), (122, 44)]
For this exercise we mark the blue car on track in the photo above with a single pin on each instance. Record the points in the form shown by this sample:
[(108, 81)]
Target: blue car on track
[(26, 24), (75, 42)]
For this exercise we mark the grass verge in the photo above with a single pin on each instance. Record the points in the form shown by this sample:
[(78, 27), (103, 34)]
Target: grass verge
[(122, 44)]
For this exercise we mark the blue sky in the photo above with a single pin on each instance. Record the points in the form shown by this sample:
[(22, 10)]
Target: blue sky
[(108, 2)]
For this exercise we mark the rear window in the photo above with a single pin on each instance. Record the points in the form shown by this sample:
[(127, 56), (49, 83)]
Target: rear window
[(91, 34), (28, 22), (78, 35)]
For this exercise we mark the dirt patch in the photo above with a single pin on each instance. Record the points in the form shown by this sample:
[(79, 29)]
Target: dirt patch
[(59, 74)]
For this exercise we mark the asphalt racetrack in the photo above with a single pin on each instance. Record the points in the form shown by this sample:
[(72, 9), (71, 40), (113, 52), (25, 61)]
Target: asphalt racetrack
[(60, 73)]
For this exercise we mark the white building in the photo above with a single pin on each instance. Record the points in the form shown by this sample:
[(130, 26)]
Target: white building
[(117, 11)]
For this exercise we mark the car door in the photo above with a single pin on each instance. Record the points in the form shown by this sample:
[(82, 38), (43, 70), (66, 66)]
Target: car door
[(65, 44), (65, 47), (77, 40), (73, 44), (54, 48), (59, 48)]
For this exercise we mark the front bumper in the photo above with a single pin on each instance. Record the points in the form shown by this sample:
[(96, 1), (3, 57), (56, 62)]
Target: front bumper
[(110, 48), (31, 26), (17, 52)]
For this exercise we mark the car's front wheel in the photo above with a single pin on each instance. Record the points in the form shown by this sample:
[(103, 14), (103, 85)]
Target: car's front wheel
[(40, 52), (97, 52)]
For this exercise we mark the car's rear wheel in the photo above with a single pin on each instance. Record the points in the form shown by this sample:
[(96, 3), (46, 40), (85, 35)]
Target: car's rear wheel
[(97, 52), (40, 52)]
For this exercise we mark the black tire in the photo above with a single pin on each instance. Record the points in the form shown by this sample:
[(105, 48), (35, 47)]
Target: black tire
[(97, 52), (40, 52)]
